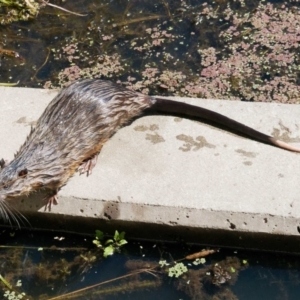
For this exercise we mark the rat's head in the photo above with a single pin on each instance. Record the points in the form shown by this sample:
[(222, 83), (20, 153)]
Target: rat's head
[(11, 186), (12, 181)]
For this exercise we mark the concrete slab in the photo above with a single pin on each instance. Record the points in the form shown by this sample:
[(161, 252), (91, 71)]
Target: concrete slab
[(176, 174)]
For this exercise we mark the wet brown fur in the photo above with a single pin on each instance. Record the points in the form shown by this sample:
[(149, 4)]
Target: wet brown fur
[(72, 129)]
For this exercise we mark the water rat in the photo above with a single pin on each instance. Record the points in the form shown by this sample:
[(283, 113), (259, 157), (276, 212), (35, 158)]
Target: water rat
[(75, 125)]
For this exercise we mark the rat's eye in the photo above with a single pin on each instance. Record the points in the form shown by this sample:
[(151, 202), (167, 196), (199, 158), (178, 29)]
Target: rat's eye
[(23, 173)]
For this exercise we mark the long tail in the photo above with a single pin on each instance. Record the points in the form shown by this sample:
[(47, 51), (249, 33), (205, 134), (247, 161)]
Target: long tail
[(180, 108)]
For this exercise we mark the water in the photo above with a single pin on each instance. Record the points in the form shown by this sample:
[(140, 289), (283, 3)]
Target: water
[(237, 49), (51, 266)]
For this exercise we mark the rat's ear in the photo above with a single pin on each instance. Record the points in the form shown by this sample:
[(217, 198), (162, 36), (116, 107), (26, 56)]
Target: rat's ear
[(3, 163)]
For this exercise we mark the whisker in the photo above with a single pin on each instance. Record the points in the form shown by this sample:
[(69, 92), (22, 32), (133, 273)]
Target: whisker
[(3, 212), (12, 215)]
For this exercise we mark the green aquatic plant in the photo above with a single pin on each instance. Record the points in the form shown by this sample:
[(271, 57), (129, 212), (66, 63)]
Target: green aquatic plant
[(199, 261), (17, 10), (24, 10), (11, 293), (177, 270), (180, 268), (110, 246)]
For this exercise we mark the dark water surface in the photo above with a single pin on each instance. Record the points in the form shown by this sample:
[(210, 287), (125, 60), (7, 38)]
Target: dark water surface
[(47, 266)]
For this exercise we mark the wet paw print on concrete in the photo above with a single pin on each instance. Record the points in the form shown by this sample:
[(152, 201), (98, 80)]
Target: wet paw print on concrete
[(193, 144), (154, 137), (246, 155)]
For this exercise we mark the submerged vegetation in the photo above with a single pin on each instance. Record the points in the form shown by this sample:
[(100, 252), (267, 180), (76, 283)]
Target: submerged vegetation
[(22, 277), (236, 49), (36, 265)]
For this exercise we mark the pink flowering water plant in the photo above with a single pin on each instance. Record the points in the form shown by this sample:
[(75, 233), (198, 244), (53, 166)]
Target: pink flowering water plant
[(234, 50)]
